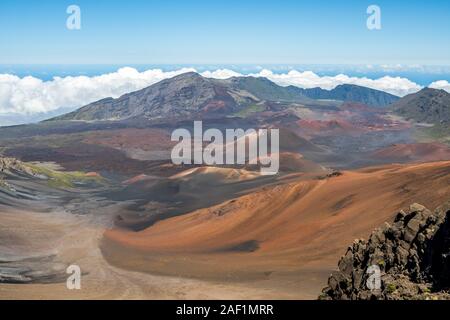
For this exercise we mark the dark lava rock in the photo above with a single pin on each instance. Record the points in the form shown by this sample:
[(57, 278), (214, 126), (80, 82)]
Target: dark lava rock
[(411, 257)]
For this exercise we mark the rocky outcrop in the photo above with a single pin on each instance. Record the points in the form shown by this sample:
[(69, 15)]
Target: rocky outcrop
[(428, 105), (11, 167), (11, 172), (7, 164), (408, 260)]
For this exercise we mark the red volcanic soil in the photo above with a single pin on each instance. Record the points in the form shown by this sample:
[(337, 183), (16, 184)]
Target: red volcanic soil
[(281, 232), (354, 106), (291, 142), (327, 126), (138, 178), (420, 152), (93, 174), (215, 106), (294, 162), (145, 139), (352, 118)]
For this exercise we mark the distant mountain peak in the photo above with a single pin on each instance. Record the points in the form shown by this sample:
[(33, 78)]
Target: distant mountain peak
[(428, 105), (432, 91), (185, 96), (191, 95), (353, 93), (188, 75)]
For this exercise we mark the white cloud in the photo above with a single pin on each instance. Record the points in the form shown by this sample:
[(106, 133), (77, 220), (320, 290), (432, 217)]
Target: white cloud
[(308, 79), (30, 95), (221, 74), (442, 84)]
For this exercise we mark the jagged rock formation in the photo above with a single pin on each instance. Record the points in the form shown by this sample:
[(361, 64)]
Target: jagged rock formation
[(412, 255), (8, 165)]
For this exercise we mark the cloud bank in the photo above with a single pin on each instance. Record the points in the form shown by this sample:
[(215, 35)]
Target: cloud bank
[(442, 84), (30, 95), (308, 79)]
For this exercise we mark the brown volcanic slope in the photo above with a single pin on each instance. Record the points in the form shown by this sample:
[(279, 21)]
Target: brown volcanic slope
[(423, 152), (290, 236), (138, 144), (146, 139), (294, 162), (328, 126)]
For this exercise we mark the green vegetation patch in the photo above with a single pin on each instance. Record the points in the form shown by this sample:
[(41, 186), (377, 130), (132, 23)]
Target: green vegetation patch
[(439, 132), (391, 288), (58, 179), (250, 110)]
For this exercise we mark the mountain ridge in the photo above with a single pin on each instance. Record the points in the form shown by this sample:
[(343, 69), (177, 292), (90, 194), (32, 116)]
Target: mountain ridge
[(353, 93), (428, 105), (191, 94)]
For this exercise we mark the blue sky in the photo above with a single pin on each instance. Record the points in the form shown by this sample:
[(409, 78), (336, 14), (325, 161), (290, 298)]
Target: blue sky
[(206, 32)]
